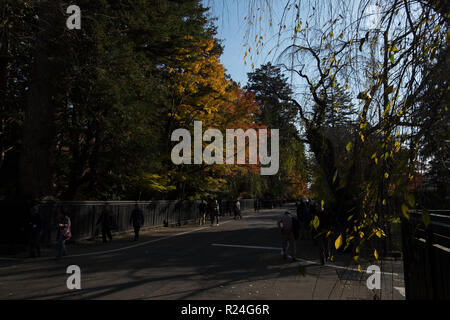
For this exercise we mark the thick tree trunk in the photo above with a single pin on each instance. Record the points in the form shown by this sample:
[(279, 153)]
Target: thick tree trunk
[(4, 76), (35, 171), (324, 152)]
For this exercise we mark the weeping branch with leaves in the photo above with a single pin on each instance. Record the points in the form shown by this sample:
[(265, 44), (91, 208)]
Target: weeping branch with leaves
[(388, 69)]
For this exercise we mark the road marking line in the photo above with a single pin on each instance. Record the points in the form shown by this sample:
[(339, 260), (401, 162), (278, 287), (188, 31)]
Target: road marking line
[(142, 243), (248, 247), (296, 259), (147, 242), (134, 246), (128, 247), (401, 290)]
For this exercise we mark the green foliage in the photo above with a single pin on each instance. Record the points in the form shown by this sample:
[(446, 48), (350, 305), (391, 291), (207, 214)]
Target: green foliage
[(426, 218), (274, 95), (106, 98)]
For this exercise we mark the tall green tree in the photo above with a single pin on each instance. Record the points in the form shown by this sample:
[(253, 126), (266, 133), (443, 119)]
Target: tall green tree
[(18, 19), (274, 95)]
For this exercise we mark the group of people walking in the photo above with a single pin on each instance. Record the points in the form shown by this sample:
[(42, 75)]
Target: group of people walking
[(212, 208), (293, 227), (63, 232), (105, 222)]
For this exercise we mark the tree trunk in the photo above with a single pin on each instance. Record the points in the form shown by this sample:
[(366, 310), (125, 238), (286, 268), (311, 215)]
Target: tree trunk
[(35, 168)]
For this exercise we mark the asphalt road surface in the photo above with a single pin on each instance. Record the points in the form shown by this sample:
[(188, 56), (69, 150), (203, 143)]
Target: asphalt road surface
[(239, 259)]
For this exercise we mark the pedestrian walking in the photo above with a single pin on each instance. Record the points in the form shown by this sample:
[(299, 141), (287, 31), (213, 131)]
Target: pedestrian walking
[(237, 210), (220, 207), (64, 233), (324, 238), (34, 226), (106, 222), (256, 205), (137, 220), (214, 212), (203, 210), (285, 224), (307, 218), (298, 208), (302, 216), (314, 210)]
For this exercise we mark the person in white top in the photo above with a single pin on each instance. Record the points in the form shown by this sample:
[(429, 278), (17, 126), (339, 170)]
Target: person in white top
[(237, 210)]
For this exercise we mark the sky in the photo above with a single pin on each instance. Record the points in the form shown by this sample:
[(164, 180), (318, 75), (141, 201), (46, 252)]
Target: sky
[(232, 29), (237, 35)]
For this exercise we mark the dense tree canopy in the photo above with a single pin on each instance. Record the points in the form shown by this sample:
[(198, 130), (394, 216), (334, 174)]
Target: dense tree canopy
[(89, 113), (274, 95)]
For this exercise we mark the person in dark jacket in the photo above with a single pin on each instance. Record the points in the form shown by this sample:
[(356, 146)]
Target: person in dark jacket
[(313, 212), (203, 209), (137, 220), (220, 208), (303, 218), (105, 220), (63, 234), (213, 210), (324, 238), (34, 226), (256, 205)]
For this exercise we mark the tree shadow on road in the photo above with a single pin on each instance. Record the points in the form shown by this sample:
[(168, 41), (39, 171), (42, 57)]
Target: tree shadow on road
[(183, 267)]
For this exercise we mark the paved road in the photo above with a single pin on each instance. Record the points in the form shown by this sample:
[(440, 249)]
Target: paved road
[(235, 260)]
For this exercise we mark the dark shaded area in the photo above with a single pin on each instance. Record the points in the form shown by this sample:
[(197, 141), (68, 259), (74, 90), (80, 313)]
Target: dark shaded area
[(84, 216), (426, 256), (172, 269)]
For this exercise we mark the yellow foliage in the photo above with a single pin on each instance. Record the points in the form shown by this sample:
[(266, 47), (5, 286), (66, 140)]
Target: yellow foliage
[(338, 242), (201, 73)]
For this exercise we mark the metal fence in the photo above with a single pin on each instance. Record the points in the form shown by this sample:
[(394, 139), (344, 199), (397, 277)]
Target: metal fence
[(85, 214), (426, 256)]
